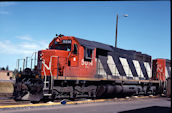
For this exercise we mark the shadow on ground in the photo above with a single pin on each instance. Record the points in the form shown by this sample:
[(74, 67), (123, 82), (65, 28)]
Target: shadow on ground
[(153, 109)]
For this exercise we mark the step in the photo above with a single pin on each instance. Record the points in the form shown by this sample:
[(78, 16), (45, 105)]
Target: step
[(47, 94)]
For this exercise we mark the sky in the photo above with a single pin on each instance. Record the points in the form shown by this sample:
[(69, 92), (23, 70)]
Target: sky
[(26, 27)]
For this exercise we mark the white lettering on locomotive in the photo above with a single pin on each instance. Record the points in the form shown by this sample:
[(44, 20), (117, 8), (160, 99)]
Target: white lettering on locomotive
[(86, 63)]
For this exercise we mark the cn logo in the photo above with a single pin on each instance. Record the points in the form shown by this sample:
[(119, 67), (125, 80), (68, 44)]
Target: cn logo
[(160, 70)]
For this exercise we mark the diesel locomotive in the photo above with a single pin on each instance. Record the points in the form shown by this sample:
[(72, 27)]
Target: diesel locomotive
[(73, 68)]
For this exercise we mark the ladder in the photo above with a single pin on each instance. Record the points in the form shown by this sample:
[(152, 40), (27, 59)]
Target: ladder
[(49, 80), (47, 90)]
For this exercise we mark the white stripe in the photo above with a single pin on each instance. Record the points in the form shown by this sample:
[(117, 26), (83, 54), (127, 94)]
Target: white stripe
[(138, 68), (112, 66), (101, 70), (166, 73), (136, 78), (126, 67), (123, 77), (148, 69), (169, 71)]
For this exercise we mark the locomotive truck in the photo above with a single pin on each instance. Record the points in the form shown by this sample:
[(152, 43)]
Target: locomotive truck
[(73, 68)]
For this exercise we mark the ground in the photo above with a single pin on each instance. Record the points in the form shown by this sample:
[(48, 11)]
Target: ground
[(143, 105)]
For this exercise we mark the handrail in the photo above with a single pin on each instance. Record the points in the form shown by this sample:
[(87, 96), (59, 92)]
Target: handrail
[(25, 62), (49, 68)]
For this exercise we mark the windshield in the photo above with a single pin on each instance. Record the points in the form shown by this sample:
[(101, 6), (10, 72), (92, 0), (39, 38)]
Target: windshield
[(66, 47)]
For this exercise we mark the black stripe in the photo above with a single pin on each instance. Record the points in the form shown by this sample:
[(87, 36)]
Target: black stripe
[(119, 65), (168, 71), (103, 60), (168, 65), (132, 67), (143, 69), (150, 68)]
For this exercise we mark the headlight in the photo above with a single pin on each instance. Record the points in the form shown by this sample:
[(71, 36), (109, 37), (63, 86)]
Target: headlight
[(19, 75), (42, 77), (36, 76)]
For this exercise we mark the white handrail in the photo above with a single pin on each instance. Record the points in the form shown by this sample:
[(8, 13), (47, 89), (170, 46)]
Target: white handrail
[(48, 68), (43, 62)]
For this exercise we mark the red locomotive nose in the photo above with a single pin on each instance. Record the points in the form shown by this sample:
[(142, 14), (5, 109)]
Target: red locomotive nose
[(52, 62)]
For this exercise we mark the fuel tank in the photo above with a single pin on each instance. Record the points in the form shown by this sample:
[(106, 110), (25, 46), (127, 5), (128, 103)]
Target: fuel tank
[(106, 91)]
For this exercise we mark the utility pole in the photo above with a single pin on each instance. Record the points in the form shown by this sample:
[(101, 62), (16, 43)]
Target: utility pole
[(117, 28)]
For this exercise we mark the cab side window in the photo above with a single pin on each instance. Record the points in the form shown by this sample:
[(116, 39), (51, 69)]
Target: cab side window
[(88, 54), (75, 49)]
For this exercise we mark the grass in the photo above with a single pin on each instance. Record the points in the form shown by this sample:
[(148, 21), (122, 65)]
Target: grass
[(6, 87)]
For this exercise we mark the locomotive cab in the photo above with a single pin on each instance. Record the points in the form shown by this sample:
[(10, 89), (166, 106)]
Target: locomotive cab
[(62, 52)]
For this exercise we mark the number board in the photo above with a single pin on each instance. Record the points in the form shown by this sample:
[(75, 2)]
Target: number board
[(66, 41)]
